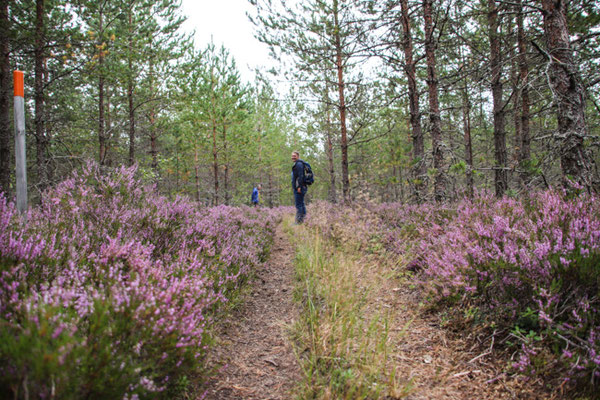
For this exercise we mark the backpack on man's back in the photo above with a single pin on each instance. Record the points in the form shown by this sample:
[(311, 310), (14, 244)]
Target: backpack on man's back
[(309, 178)]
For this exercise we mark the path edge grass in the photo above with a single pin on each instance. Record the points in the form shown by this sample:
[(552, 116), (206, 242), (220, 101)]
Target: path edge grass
[(343, 348)]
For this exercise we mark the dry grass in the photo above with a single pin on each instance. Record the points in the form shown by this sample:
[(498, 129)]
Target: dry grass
[(343, 335), (365, 335)]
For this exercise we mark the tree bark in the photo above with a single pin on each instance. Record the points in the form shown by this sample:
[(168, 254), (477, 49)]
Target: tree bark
[(101, 120), (501, 176), (196, 168), (215, 166), (329, 149), (108, 127), (434, 104), (270, 197), (342, 105), (153, 140), (466, 114), (568, 93), (214, 138), (419, 172), (516, 99), (225, 166), (50, 165), (177, 165), (525, 148), (152, 120), (131, 108), (466, 110), (5, 98), (39, 96), (131, 122), (401, 184)]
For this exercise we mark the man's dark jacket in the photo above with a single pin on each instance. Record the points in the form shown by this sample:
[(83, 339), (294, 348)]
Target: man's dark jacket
[(298, 175)]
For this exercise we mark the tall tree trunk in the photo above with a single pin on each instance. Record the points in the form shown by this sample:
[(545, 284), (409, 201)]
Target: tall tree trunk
[(259, 170), (341, 85), (101, 121), (50, 165), (329, 150), (5, 98), (130, 78), (419, 172), (483, 122), (131, 110), (525, 153), (225, 166), (434, 104), (108, 132), (501, 176), (516, 102), (401, 184), (177, 166), (466, 111), (153, 140), (466, 114), (215, 165), (394, 183), (226, 157), (196, 168), (39, 96), (568, 93), (270, 197), (214, 137), (152, 119)]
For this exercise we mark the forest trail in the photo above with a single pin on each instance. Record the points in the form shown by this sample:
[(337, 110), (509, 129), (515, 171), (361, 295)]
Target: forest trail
[(258, 359), (430, 361)]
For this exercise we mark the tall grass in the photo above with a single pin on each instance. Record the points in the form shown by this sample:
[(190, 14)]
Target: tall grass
[(342, 344)]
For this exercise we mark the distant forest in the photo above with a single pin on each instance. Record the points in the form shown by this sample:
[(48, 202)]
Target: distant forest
[(389, 100)]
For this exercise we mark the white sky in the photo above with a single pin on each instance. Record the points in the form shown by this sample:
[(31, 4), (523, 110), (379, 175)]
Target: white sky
[(226, 21)]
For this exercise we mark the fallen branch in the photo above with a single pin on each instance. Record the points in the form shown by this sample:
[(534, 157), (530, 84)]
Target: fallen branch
[(477, 371), (486, 353)]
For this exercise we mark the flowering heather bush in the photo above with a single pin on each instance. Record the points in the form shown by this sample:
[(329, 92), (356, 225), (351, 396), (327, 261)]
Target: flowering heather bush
[(531, 266), (533, 263), (108, 290)]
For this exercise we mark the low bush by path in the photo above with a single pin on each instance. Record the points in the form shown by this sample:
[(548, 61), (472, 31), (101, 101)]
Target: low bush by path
[(529, 269), (108, 289)]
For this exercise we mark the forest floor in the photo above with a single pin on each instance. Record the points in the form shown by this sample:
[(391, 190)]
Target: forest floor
[(430, 361), (441, 363), (253, 346)]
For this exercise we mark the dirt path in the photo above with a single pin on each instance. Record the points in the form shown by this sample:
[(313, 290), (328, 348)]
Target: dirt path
[(440, 364), (431, 362), (259, 362), (435, 362)]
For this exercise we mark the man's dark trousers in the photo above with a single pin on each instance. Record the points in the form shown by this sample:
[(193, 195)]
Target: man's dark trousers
[(300, 207)]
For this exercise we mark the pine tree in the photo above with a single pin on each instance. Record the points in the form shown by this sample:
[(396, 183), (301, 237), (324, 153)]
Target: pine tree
[(568, 93), (321, 36), (5, 98)]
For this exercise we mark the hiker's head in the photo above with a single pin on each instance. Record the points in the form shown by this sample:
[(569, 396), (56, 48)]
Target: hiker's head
[(259, 186), (295, 156)]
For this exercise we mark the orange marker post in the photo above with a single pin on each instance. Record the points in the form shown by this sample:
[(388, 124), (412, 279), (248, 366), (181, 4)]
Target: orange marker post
[(19, 83), (20, 156)]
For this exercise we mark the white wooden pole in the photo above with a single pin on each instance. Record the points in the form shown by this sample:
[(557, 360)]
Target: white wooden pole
[(21, 160)]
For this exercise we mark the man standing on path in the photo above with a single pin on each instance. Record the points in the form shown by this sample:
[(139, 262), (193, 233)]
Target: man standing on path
[(256, 195), (298, 186)]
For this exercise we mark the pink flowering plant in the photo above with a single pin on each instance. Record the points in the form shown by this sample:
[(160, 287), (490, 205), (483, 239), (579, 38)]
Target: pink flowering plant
[(529, 267), (108, 290), (532, 265)]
